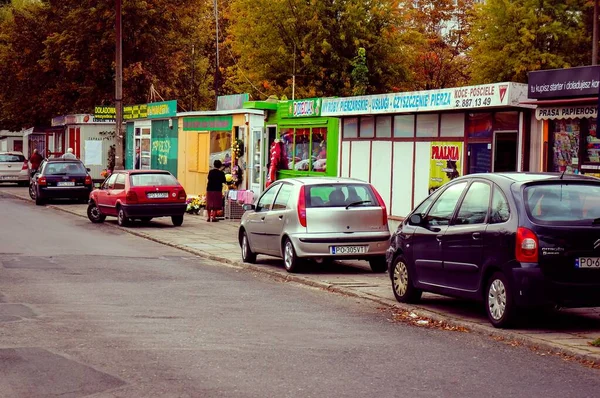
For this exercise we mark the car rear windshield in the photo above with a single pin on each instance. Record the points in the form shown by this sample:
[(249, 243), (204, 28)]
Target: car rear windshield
[(340, 195), (64, 168), (564, 203), (152, 179), (12, 158)]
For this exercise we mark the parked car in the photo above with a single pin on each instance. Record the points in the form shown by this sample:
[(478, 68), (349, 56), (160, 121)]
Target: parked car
[(138, 195), (512, 240), (14, 168), (60, 179), (317, 218)]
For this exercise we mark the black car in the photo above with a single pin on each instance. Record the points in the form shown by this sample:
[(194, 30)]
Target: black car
[(512, 240), (61, 179)]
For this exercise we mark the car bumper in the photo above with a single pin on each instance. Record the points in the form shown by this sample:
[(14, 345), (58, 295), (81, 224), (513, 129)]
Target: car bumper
[(21, 177), (64, 192), (532, 288), (155, 210), (319, 245)]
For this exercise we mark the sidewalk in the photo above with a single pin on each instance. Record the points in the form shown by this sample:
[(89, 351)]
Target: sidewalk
[(567, 331)]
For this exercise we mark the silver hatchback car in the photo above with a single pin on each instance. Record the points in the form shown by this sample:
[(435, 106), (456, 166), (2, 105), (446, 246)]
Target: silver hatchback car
[(319, 218)]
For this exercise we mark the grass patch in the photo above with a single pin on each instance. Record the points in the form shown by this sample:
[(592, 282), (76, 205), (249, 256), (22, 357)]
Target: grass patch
[(595, 343)]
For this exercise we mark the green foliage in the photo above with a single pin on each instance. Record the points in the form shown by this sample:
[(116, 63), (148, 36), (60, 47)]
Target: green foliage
[(360, 73), (512, 37)]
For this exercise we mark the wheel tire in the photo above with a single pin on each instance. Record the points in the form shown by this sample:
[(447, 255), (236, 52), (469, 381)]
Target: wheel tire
[(290, 259), (94, 214), (378, 264), (177, 220), (499, 304), (402, 282), (39, 201), (32, 194), (248, 256), (145, 220), (122, 219)]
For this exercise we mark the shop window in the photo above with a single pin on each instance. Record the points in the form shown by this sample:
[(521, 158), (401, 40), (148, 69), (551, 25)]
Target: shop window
[(427, 125), (367, 127), (220, 148), (302, 150), (350, 127), (565, 145), (319, 149), (592, 152), (404, 126), (479, 125), (506, 121), (287, 138), (452, 125), (383, 126)]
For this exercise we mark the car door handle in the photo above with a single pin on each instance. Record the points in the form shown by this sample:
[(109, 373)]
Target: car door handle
[(439, 237), (281, 217), (476, 235), (262, 218)]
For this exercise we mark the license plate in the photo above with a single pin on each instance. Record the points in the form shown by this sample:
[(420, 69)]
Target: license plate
[(587, 262), (347, 249), (8, 177), (156, 195), (65, 184)]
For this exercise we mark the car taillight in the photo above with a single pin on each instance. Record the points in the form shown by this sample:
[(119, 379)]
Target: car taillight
[(42, 181), (131, 197), (182, 195), (527, 246), (384, 216), (302, 207), (25, 166), (88, 180)]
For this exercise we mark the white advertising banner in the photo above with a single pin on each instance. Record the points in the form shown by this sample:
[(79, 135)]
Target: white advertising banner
[(481, 96), (93, 153), (566, 112)]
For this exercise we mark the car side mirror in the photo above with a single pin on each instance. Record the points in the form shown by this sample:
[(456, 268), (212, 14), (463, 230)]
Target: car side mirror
[(416, 219), (248, 207), (88, 169)]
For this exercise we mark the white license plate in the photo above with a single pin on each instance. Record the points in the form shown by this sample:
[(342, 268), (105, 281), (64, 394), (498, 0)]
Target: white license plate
[(65, 184), (8, 177), (155, 195), (347, 249), (587, 262)]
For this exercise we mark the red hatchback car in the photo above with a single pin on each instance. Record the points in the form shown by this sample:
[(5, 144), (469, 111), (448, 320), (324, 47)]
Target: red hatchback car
[(138, 194)]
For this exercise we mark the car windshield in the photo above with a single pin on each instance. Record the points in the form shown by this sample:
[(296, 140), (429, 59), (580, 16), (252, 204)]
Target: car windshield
[(340, 195), (64, 168), (564, 203), (10, 158), (152, 179)]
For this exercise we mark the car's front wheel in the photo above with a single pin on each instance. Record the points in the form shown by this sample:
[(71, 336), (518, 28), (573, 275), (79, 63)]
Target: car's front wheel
[(177, 220), (499, 303), (402, 282), (290, 259), (122, 219), (378, 264), (248, 256), (32, 194), (94, 214)]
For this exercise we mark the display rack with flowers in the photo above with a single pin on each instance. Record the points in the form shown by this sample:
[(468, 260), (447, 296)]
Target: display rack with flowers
[(105, 173), (195, 204), (238, 148)]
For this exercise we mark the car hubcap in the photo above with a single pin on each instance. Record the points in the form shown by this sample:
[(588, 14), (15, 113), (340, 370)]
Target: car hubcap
[(95, 213), (400, 278), (289, 255), (497, 299)]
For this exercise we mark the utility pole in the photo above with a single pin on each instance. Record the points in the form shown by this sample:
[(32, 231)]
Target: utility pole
[(595, 35), (217, 53), (119, 153), (294, 75), (193, 72)]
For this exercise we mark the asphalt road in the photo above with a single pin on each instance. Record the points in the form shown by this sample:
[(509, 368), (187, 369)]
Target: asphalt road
[(90, 310)]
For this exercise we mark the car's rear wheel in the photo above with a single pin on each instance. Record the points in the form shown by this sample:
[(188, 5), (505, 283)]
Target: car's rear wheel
[(94, 214), (248, 256), (402, 282), (122, 219), (32, 191), (290, 259), (177, 220), (499, 303), (378, 264)]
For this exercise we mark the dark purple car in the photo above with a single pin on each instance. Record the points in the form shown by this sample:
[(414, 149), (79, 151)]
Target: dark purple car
[(61, 179), (511, 240)]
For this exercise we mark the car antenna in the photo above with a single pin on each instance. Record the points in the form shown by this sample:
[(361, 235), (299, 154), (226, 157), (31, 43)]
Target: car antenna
[(563, 174)]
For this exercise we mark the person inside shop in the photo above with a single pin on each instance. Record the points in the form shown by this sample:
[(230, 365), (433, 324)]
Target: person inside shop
[(214, 191), (137, 158), (35, 160), (69, 154)]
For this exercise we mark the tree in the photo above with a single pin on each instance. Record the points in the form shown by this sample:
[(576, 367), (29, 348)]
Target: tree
[(360, 73), (511, 38)]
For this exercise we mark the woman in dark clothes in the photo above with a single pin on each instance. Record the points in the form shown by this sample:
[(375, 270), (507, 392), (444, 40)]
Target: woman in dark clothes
[(214, 191)]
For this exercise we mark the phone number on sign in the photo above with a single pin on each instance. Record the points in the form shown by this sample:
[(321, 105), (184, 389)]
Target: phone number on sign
[(469, 102)]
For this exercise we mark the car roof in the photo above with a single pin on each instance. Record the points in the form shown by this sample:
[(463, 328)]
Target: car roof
[(60, 160), (12, 153), (142, 171), (324, 180), (526, 177)]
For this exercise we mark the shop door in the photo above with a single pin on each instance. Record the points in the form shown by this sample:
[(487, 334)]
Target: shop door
[(257, 160), (480, 158), (505, 151), (142, 149)]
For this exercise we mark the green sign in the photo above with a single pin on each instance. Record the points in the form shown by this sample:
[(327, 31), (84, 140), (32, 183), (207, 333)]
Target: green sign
[(159, 110), (153, 110), (305, 108), (135, 112), (208, 123)]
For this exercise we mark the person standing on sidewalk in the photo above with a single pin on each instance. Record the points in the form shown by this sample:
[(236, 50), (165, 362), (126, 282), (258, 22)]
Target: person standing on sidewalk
[(69, 154), (35, 160), (214, 191)]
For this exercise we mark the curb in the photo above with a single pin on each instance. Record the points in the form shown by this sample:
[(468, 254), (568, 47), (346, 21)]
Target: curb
[(505, 335)]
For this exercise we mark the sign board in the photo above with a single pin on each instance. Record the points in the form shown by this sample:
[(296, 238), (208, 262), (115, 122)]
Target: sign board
[(560, 83), (566, 112), (231, 102), (208, 123), (153, 110), (445, 163), (471, 97), (305, 108), (79, 119), (165, 109), (135, 112)]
